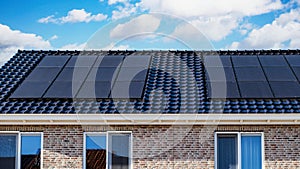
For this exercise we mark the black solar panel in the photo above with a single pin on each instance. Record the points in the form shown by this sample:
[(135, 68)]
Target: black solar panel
[(31, 89), (272, 60), (43, 74), (54, 61), (296, 70), (250, 74), (82, 61), (103, 74), (223, 90), (279, 74), (293, 60), (132, 74), (136, 61), (255, 90), (127, 90), (73, 74), (62, 89), (85, 76), (217, 61), (92, 89), (245, 61), (285, 89), (109, 61), (215, 74)]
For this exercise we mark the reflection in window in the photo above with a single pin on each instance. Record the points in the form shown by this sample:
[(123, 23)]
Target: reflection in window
[(119, 151), (8, 151), (30, 151), (96, 151)]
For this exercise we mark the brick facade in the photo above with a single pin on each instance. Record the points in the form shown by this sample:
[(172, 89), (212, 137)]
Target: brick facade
[(166, 146)]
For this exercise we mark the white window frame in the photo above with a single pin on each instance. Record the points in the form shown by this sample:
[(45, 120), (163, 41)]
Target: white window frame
[(19, 137), (106, 134), (239, 136)]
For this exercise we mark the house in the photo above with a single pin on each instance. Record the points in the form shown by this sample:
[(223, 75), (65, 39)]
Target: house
[(150, 109)]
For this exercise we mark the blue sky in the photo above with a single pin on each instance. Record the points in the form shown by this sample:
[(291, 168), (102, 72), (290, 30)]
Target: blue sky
[(125, 24)]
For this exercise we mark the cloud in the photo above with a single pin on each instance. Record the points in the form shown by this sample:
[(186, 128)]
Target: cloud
[(142, 24), (74, 46), (12, 40), (215, 18), (54, 37), (217, 27), (283, 32), (124, 11), (74, 16), (194, 8), (111, 2), (113, 46)]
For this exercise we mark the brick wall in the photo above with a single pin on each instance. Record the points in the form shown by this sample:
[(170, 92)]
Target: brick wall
[(166, 146)]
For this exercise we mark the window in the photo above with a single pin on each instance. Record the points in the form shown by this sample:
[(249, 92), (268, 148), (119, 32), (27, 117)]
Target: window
[(109, 150), (239, 150), (20, 150)]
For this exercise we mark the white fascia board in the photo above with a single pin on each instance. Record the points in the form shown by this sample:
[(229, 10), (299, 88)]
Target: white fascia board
[(149, 119)]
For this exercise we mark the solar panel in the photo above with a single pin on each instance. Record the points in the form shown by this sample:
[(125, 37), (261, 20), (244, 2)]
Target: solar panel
[(255, 89), (294, 60), (296, 71), (223, 90), (62, 89), (109, 61), (250, 74), (30, 89), (82, 61), (43, 74), (126, 90), (103, 74), (137, 61), (215, 74), (272, 60), (91, 89), (132, 74), (217, 61), (73, 74), (285, 89), (279, 74), (54, 61), (245, 61)]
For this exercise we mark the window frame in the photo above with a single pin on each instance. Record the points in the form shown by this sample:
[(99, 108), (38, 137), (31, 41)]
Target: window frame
[(19, 135), (239, 136), (106, 134)]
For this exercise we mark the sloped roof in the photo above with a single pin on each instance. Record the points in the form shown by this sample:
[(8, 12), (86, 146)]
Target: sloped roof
[(176, 83)]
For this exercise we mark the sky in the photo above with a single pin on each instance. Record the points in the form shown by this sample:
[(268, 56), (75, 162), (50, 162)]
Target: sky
[(148, 24)]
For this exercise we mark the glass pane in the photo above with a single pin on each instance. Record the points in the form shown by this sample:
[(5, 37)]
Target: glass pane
[(95, 152), (227, 151), (31, 152), (251, 152), (119, 154), (8, 151)]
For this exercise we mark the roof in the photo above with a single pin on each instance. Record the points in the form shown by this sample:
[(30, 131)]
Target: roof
[(176, 83)]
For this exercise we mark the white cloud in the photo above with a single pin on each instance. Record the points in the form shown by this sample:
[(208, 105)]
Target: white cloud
[(124, 11), (142, 24), (113, 46), (215, 18), (74, 16), (217, 27), (283, 32), (194, 8), (111, 2), (74, 46), (12, 40), (54, 37)]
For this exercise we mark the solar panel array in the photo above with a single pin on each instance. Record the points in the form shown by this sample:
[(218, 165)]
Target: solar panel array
[(86, 77), (252, 76)]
